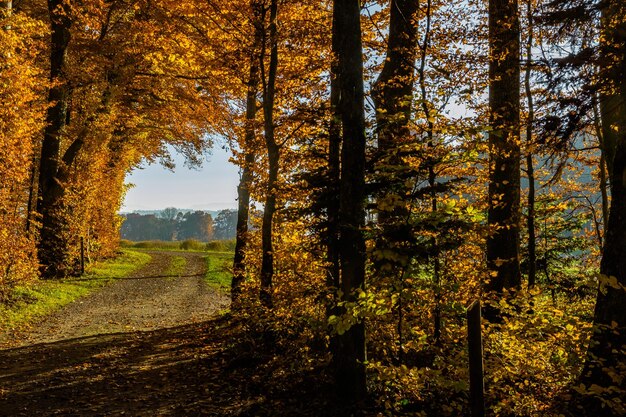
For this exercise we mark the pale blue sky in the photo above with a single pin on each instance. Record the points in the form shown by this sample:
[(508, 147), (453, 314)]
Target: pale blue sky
[(212, 187)]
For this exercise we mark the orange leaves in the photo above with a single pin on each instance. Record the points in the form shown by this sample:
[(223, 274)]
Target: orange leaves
[(22, 81)]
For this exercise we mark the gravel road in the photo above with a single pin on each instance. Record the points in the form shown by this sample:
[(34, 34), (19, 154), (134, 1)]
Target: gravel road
[(147, 300)]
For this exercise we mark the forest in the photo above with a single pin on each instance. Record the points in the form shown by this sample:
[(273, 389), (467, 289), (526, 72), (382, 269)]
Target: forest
[(172, 224), (432, 196)]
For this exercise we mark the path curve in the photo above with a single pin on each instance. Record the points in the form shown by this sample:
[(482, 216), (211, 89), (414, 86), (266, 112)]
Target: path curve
[(148, 299), (174, 360)]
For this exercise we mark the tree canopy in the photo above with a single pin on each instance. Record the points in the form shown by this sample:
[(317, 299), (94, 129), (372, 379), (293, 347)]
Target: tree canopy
[(399, 160)]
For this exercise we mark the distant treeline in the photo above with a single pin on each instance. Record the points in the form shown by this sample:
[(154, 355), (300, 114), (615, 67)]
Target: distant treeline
[(172, 224)]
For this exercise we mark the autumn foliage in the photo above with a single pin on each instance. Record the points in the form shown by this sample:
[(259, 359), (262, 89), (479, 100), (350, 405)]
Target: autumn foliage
[(392, 158)]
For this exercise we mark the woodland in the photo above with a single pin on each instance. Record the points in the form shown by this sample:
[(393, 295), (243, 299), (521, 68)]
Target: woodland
[(171, 224), (411, 158)]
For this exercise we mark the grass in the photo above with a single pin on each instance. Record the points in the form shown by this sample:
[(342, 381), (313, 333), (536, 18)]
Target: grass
[(150, 244), (218, 270), (191, 245), (177, 267), (28, 303)]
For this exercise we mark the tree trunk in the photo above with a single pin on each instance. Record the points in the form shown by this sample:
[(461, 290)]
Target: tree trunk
[(393, 97), (48, 205), (605, 363), (32, 194), (393, 90), (604, 187), (504, 146), (530, 169), (243, 190), (350, 355), (334, 166), (273, 155)]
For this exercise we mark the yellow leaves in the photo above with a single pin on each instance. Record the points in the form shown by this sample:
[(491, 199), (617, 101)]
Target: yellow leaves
[(390, 202), (607, 282), (390, 255)]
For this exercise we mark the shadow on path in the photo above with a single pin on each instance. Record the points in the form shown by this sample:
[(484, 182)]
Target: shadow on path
[(191, 370)]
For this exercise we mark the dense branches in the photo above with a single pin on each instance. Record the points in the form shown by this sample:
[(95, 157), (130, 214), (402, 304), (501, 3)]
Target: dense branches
[(380, 146)]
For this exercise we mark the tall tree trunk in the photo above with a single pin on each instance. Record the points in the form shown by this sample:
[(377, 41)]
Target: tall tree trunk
[(393, 97), (604, 186), (432, 173), (273, 155), (32, 193), (605, 364), (334, 166), (48, 205), (350, 355), (393, 89), (530, 169), (504, 146), (243, 190)]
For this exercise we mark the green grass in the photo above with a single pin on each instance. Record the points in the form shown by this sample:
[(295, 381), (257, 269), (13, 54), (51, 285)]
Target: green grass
[(150, 244), (28, 303), (191, 245), (218, 265), (177, 267)]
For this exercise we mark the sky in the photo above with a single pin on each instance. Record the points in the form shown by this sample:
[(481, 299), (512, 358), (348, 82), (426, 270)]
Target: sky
[(212, 187)]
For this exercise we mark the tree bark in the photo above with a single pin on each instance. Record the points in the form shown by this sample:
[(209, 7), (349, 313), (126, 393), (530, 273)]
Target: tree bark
[(48, 205), (334, 175), (606, 357), (243, 190), (273, 156), (393, 97), (350, 356), (504, 146), (604, 186), (530, 169), (393, 89)]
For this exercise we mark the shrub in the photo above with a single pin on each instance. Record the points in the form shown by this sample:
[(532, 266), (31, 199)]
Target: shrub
[(191, 244)]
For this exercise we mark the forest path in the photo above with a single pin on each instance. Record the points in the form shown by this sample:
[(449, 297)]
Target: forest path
[(156, 296), (144, 345)]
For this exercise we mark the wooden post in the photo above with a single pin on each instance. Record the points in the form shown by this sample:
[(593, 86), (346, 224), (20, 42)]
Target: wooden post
[(82, 255), (475, 350)]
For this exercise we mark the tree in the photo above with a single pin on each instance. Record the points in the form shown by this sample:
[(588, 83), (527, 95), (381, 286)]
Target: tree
[(504, 146), (350, 354), (50, 248), (268, 79), (530, 170), (225, 224), (393, 95), (605, 364), (247, 168), (22, 111)]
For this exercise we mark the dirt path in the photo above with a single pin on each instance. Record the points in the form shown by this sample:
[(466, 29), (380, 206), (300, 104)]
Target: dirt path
[(110, 352), (151, 345), (148, 300)]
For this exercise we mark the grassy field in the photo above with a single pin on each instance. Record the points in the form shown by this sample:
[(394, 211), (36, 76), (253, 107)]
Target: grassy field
[(188, 245), (27, 303)]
